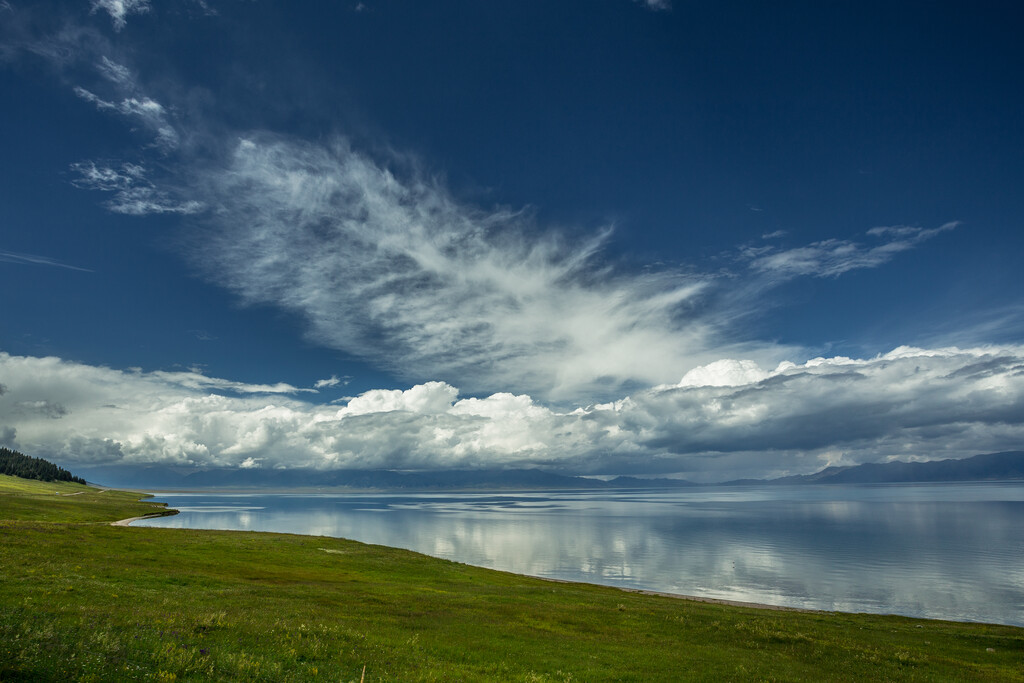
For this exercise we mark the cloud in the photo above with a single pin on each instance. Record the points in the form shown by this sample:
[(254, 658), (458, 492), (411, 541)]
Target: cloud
[(32, 259), (194, 379), (173, 418), (724, 373), (120, 9), (331, 381), (140, 108), (833, 257), (133, 193), (656, 5), (909, 402), (383, 262), (48, 409), (725, 420)]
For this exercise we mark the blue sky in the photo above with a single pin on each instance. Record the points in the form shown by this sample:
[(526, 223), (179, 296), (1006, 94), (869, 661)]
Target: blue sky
[(705, 240)]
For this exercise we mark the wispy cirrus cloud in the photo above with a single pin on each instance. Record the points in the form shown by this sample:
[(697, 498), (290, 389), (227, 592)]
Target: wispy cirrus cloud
[(833, 257), (145, 110), (331, 381), (382, 261), (656, 5), (120, 9), (35, 260), (133, 193), (194, 379), (393, 268)]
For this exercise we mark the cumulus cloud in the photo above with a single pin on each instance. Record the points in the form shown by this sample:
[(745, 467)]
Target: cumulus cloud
[(909, 402), (49, 409), (833, 257), (724, 373), (174, 418), (725, 420)]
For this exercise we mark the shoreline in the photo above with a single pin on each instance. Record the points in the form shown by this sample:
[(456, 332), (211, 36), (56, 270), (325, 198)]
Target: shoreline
[(826, 609), (625, 589), (151, 515), (698, 598), (641, 591)]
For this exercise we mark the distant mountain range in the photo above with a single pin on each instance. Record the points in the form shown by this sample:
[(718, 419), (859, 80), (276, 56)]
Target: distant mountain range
[(989, 467), (173, 478)]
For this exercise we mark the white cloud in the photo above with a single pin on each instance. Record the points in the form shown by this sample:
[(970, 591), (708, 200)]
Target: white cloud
[(194, 379), (393, 268), (133, 193), (656, 5), (724, 373), (33, 259), (833, 257), (429, 398), (120, 9), (383, 263), (739, 420), (114, 72), (145, 110), (329, 382)]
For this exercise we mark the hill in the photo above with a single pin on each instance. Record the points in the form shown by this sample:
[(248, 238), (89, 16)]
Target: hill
[(490, 479), (987, 467), (20, 465), (94, 602)]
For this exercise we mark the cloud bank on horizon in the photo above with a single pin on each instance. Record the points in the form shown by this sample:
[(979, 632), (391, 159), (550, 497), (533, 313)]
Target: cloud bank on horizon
[(728, 419), (571, 360)]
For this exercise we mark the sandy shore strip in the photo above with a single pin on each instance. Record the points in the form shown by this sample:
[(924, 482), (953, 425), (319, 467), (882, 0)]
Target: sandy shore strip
[(151, 515), (694, 598)]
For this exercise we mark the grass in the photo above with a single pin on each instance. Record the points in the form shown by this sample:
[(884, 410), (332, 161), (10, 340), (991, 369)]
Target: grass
[(83, 601), (63, 502)]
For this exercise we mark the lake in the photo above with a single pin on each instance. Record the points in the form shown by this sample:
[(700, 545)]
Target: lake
[(946, 551)]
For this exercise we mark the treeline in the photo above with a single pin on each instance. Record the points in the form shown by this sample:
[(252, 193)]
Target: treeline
[(26, 467)]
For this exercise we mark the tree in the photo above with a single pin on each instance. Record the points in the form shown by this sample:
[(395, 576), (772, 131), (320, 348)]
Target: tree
[(20, 465)]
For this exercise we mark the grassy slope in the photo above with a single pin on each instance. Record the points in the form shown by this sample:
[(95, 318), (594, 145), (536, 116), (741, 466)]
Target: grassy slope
[(86, 601), (50, 501)]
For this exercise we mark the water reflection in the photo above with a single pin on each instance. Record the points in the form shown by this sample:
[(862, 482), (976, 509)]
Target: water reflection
[(942, 551)]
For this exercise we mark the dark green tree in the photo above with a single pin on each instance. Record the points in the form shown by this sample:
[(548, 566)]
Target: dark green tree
[(24, 466)]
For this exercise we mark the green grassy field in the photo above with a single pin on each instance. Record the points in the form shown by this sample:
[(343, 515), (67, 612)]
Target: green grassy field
[(81, 600)]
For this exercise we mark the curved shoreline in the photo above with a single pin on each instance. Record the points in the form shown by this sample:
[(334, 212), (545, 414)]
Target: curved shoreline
[(682, 596), (823, 610), (151, 515), (641, 591)]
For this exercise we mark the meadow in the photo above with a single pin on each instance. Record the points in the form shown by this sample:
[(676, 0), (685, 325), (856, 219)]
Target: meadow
[(81, 600)]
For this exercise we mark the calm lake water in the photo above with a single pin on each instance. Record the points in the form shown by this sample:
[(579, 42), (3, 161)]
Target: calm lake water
[(948, 551)]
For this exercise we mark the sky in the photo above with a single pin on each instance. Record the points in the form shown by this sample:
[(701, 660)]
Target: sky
[(702, 240)]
